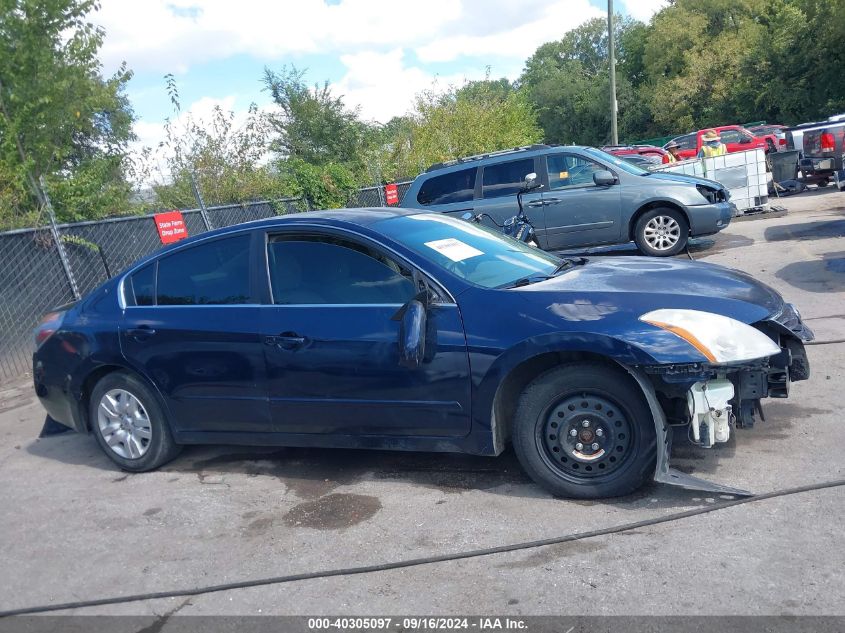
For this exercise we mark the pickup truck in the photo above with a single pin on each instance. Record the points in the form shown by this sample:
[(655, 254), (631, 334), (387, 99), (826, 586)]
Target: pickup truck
[(735, 137), (823, 150)]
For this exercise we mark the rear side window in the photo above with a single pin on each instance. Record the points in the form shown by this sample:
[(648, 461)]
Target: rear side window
[(505, 179), (456, 186), (213, 273), (142, 286), (686, 142)]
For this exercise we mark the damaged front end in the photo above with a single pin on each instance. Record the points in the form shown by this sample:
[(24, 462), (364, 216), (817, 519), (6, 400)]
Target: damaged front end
[(712, 399)]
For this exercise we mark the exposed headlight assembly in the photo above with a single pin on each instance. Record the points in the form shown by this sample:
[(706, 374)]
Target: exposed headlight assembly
[(719, 338)]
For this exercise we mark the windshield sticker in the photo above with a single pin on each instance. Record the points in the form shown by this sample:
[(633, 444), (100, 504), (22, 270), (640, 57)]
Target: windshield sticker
[(454, 249)]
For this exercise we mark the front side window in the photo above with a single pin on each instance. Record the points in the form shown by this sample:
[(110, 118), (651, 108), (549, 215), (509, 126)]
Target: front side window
[(505, 179), (325, 270), (211, 273), (568, 170), (456, 186), (730, 136)]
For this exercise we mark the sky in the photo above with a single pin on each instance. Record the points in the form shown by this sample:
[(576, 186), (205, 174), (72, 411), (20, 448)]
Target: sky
[(376, 53)]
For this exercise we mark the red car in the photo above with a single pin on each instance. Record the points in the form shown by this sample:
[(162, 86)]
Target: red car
[(735, 137), (774, 133), (652, 153)]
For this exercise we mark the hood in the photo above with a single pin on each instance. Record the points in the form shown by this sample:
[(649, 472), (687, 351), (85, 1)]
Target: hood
[(683, 178), (643, 284)]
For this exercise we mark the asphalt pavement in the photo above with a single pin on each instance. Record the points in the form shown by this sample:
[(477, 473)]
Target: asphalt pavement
[(74, 527)]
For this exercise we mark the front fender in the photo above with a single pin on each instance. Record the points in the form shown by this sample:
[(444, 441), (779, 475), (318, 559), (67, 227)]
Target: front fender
[(643, 346)]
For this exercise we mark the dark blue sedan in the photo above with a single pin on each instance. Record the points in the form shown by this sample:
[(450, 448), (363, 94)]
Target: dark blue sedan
[(406, 330)]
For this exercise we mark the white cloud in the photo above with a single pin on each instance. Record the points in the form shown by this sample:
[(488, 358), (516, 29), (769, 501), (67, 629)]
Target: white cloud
[(381, 85), (549, 22), (168, 35), (643, 10)]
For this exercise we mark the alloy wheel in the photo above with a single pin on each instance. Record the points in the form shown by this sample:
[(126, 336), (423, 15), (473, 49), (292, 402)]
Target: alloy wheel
[(124, 424), (662, 232)]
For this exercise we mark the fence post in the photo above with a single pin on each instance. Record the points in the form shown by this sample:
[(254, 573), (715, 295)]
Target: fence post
[(54, 229), (200, 202)]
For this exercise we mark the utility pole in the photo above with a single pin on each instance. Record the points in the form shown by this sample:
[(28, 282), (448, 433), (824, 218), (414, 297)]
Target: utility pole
[(614, 134)]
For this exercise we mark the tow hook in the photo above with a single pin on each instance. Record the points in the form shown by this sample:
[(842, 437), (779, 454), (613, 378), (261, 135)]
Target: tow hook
[(710, 414)]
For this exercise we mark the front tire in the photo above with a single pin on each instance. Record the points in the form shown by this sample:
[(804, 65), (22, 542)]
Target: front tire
[(585, 431), (661, 232), (129, 423)]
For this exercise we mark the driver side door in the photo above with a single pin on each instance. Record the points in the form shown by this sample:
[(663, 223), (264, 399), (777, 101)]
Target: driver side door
[(332, 344), (578, 212)]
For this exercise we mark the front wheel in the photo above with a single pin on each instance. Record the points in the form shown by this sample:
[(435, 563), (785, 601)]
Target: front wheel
[(661, 232), (585, 431)]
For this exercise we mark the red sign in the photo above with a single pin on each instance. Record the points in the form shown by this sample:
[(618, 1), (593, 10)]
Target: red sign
[(171, 227), (391, 194)]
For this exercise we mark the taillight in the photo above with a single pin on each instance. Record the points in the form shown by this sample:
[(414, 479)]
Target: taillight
[(47, 326), (781, 141), (828, 144)]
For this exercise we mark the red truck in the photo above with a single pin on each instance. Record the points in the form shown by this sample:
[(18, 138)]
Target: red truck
[(735, 137)]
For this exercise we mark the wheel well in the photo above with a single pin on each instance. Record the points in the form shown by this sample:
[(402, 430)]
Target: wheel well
[(648, 207), (88, 385), (507, 395)]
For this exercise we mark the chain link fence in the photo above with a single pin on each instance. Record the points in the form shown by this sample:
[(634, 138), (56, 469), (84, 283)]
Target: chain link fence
[(33, 280)]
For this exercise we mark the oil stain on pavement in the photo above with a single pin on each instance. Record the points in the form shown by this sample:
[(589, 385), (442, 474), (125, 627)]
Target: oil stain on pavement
[(333, 512)]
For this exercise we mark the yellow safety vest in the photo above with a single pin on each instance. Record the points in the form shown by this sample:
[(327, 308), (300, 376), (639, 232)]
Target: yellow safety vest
[(710, 152), (671, 159)]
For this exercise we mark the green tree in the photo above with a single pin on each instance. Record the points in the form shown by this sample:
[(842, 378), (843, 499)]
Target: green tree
[(568, 83), (478, 117), (311, 123), (59, 118), (229, 160)]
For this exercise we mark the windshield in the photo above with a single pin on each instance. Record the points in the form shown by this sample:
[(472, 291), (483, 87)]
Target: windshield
[(473, 252), (616, 161)]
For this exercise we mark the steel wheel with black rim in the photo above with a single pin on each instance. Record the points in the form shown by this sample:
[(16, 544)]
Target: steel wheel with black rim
[(585, 431), (129, 423), (661, 232)]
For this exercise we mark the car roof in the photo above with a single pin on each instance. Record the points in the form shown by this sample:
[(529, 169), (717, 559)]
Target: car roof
[(480, 160), (364, 216)]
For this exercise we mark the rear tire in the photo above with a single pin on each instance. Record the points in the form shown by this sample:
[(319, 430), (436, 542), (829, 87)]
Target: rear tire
[(129, 423), (661, 232), (613, 454)]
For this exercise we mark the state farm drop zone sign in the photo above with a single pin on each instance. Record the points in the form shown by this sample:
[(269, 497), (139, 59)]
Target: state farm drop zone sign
[(171, 227)]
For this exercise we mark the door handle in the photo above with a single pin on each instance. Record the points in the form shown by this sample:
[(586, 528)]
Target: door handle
[(141, 333), (535, 203), (286, 340), (551, 200)]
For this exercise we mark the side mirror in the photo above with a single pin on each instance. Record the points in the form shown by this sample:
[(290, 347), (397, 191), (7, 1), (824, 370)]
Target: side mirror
[(604, 178), (412, 329), (531, 182), (745, 140)]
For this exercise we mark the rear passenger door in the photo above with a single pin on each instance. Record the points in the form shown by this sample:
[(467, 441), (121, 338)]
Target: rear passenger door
[(500, 182), (191, 328), (577, 211)]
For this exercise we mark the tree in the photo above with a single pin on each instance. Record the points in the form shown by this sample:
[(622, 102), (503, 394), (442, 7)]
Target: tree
[(568, 82), (228, 159), (311, 123), (478, 117), (59, 118)]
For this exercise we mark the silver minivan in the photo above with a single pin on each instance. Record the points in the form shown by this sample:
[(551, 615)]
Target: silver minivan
[(587, 197)]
